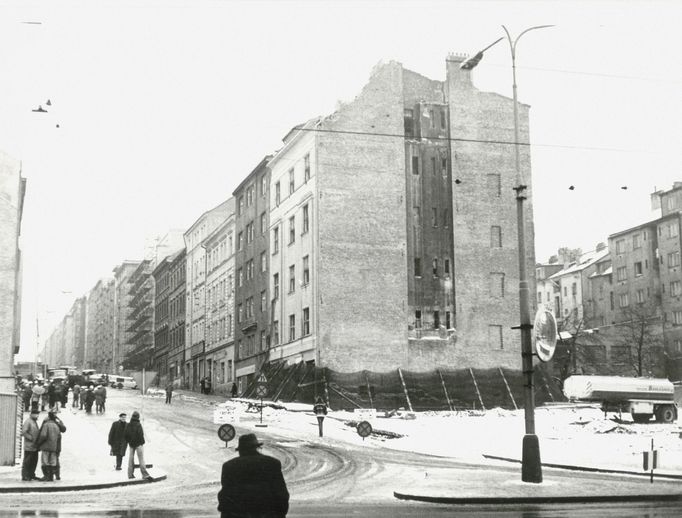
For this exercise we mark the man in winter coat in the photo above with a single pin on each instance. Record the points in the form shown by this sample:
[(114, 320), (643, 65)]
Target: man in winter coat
[(100, 398), (76, 394), (26, 396), (30, 433), (89, 399), (252, 484), (169, 392), (134, 435), (37, 397), (51, 394), (117, 439), (49, 441)]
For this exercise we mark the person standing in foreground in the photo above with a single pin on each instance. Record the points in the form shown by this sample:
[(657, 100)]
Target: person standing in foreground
[(49, 441), (30, 432), (134, 435), (252, 484), (117, 439)]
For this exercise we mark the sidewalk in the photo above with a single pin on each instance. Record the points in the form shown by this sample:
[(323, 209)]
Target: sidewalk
[(85, 462), (488, 485)]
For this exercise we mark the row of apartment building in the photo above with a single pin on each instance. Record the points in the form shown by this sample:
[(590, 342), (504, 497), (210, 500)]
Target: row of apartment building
[(634, 279), (382, 236)]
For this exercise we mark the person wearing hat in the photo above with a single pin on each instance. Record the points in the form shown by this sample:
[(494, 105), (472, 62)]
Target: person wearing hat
[(49, 442), (134, 435), (30, 433), (117, 439), (252, 484)]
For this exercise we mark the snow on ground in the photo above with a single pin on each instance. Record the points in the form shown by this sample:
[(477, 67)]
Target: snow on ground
[(576, 435)]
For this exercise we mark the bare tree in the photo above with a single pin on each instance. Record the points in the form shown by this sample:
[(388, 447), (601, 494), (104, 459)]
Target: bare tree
[(640, 330), (575, 347)]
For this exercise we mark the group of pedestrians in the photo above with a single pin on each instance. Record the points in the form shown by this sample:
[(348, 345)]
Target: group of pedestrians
[(85, 397), (128, 436), (39, 395), (45, 439)]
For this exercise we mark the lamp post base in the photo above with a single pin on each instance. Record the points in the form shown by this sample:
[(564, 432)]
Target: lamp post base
[(531, 467)]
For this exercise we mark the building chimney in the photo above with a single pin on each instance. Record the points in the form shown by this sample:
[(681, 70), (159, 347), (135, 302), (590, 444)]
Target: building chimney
[(457, 76)]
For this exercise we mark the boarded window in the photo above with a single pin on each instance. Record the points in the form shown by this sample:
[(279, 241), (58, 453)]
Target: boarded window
[(495, 237), (495, 336), (496, 284)]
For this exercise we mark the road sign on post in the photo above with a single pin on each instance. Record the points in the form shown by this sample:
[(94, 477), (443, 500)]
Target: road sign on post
[(320, 410), (364, 429), (650, 460), (261, 392), (226, 433)]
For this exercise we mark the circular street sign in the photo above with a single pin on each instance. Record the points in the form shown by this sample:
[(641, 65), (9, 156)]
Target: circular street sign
[(261, 391), (364, 429), (545, 334), (226, 432)]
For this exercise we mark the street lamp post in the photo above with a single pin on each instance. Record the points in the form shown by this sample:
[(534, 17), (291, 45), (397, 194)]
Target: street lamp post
[(531, 467)]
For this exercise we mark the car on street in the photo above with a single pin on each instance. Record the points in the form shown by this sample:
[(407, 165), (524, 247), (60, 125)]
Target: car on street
[(122, 382)]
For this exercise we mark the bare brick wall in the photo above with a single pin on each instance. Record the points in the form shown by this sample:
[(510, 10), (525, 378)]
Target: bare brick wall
[(362, 264), (481, 116)]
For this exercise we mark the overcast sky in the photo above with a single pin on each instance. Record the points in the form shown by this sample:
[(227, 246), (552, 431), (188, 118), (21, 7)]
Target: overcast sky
[(164, 107)]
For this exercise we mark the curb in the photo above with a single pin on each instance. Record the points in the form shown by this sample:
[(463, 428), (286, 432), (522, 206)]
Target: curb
[(539, 499), (589, 469), (43, 488)]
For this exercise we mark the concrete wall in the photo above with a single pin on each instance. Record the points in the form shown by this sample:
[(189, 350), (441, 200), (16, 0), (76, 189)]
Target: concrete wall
[(362, 264), (477, 120)]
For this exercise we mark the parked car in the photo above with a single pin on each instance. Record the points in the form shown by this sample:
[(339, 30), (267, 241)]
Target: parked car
[(122, 382)]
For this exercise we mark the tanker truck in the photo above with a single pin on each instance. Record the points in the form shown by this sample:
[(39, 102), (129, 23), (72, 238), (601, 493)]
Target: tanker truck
[(643, 398)]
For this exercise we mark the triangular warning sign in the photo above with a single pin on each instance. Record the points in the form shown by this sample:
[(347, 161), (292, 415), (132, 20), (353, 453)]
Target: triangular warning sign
[(262, 379)]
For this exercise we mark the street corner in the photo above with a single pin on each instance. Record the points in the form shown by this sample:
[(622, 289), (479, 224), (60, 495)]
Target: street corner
[(11, 483)]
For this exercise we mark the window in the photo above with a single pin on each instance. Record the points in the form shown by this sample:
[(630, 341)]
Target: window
[(240, 237), (620, 246), (292, 278), (249, 196), (249, 269), (306, 271), (495, 336), (291, 181), (673, 229), (432, 116), (263, 262), (275, 240), (638, 268), (306, 322), (448, 320), (442, 119), (292, 328), (565, 291), (306, 219), (433, 166), (623, 300), (446, 218), (495, 237), (611, 302), (418, 266), (539, 297), (263, 345), (240, 205), (418, 318), (306, 168), (447, 266), (249, 232), (636, 241), (675, 289), (292, 229), (444, 166), (673, 259), (263, 301), (415, 165), (263, 223), (677, 317), (621, 273), (670, 202), (277, 194), (434, 217), (249, 308), (408, 122), (494, 185), (239, 313), (436, 319), (640, 296), (574, 289), (275, 286), (263, 185), (496, 286), (275, 332), (240, 278)]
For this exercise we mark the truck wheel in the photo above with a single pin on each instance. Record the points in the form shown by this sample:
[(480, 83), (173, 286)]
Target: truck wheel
[(641, 418), (665, 414)]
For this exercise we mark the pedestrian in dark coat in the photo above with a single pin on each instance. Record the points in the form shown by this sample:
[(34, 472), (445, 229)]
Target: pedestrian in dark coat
[(202, 383), (117, 439), (134, 435), (234, 390), (51, 395), (89, 399), (208, 385), (30, 433), (26, 396), (49, 441), (252, 484), (169, 392)]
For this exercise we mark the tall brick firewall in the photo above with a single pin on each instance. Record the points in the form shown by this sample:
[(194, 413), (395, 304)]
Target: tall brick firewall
[(362, 264), (477, 119)]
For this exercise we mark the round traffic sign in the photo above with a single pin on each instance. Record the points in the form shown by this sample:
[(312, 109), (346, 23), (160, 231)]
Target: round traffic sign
[(261, 390), (226, 432), (364, 429), (545, 334)]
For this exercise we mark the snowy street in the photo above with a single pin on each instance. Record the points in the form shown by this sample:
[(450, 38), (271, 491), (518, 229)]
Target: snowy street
[(340, 471)]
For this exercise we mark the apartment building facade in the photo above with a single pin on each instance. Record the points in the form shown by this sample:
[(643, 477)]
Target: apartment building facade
[(176, 317), (548, 292), (195, 296), (219, 353), (122, 309), (100, 326), (161, 275), (141, 318)]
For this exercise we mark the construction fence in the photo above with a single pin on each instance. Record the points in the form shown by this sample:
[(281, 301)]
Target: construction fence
[(418, 391)]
